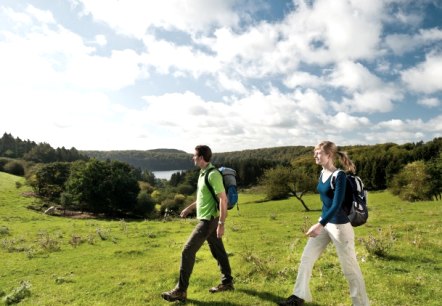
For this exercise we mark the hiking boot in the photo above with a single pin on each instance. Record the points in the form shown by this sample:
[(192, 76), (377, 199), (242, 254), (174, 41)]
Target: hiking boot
[(292, 300), (222, 287), (174, 295)]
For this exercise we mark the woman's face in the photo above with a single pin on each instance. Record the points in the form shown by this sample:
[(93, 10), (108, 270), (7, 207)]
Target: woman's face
[(321, 158)]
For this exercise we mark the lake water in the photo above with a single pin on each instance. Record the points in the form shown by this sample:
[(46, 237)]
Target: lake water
[(165, 174)]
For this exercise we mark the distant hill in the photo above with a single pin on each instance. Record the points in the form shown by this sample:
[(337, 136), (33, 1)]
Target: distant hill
[(152, 160), (172, 159)]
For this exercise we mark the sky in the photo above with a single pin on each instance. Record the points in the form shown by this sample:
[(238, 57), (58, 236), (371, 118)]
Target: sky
[(232, 74)]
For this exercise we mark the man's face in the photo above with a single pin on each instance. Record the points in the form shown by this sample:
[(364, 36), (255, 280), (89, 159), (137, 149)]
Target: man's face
[(197, 159)]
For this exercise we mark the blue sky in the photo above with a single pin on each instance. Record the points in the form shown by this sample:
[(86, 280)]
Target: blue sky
[(140, 75)]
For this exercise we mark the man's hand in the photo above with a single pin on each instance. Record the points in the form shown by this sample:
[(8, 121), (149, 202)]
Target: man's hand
[(187, 210), (220, 230)]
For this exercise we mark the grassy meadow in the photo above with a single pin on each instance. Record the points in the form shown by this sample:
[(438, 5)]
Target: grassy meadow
[(46, 260)]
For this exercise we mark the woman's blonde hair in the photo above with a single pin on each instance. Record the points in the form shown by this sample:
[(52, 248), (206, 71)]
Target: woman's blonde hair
[(330, 148)]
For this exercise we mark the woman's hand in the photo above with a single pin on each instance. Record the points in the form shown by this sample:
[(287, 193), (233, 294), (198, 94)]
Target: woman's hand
[(314, 230)]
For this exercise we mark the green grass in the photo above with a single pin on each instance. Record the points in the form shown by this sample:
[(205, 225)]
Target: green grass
[(117, 262)]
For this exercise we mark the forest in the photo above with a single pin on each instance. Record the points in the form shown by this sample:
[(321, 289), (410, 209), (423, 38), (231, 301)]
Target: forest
[(97, 180)]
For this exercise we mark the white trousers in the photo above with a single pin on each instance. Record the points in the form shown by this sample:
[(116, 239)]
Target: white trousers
[(342, 236)]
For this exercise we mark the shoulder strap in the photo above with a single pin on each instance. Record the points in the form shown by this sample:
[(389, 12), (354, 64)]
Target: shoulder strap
[(206, 180), (333, 178)]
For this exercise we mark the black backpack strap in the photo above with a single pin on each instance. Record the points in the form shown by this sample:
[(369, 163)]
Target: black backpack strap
[(206, 180)]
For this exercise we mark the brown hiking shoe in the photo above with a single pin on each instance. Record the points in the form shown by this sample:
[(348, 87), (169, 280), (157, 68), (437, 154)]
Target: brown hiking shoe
[(222, 287), (292, 300), (174, 295)]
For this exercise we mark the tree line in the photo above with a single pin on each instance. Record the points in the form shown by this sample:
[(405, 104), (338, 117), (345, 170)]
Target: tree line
[(151, 160), (11, 147), (117, 188)]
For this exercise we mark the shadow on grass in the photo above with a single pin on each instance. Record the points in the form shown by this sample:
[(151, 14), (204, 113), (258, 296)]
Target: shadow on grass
[(407, 259), (203, 303), (269, 297), (266, 296)]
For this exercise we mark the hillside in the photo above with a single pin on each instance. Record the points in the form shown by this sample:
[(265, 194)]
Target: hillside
[(152, 160), (68, 261)]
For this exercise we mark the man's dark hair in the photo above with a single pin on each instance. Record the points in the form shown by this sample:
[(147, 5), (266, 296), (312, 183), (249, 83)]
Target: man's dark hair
[(204, 151)]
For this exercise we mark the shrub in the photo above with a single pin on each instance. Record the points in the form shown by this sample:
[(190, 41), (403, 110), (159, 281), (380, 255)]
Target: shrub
[(4, 231), (379, 245), (145, 204), (146, 187), (14, 167), (169, 205), (18, 294), (413, 183), (186, 189)]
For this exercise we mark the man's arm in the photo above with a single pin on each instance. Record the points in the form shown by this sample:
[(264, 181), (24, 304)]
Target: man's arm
[(188, 210), (222, 213)]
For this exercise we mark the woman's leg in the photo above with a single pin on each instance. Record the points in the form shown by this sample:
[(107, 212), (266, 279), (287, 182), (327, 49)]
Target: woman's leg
[(342, 236), (312, 250)]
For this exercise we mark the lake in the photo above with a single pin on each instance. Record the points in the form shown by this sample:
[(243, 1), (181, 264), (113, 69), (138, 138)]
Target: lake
[(165, 174)]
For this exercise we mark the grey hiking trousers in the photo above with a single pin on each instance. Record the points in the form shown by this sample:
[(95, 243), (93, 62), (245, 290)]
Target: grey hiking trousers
[(205, 230)]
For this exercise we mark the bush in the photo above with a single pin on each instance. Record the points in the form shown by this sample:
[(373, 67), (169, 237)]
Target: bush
[(19, 293), (413, 183), (14, 167), (145, 204), (146, 187), (186, 189), (174, 205), (379, 245)]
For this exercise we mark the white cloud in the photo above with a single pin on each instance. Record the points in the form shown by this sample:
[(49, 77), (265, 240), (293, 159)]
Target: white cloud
[(366, 93), (166, 56), (429, 102), (100, 40), (135, 18), (119, 70), (402, 43), (425, 77), (353, 77), (346, 122), (331, 31), (40, 15), (226, 83), (270, 82), (302, 79), (371, 101)]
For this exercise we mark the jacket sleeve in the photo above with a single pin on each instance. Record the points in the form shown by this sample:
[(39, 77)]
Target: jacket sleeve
[(338, 198)]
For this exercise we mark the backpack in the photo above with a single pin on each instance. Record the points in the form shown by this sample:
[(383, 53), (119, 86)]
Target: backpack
[(355, 201), (229, 181)]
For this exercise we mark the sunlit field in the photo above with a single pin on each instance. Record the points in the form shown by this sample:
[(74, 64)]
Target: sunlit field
[(46, 260)]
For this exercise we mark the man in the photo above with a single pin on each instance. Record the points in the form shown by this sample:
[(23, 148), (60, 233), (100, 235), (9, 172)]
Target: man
[(210, 228)]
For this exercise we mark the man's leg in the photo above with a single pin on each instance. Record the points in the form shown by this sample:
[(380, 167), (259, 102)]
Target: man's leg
[(193, 244), (219, 253)]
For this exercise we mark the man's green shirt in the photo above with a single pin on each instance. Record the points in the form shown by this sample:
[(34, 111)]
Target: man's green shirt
[(206, 206)]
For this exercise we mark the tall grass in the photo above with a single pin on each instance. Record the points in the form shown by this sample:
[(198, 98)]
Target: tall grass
[(121, 262)]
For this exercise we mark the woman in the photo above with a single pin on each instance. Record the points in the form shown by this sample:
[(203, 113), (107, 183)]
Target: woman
[(333, 226)]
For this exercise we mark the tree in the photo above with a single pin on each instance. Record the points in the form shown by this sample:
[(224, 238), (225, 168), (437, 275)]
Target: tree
[(413, 183), (49, 179), (108, 187), (42, 153), (281, 182), (145, 204), (434, 170)]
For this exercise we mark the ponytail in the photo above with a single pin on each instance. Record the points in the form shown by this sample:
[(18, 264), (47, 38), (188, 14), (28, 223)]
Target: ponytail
[(349, 166)]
